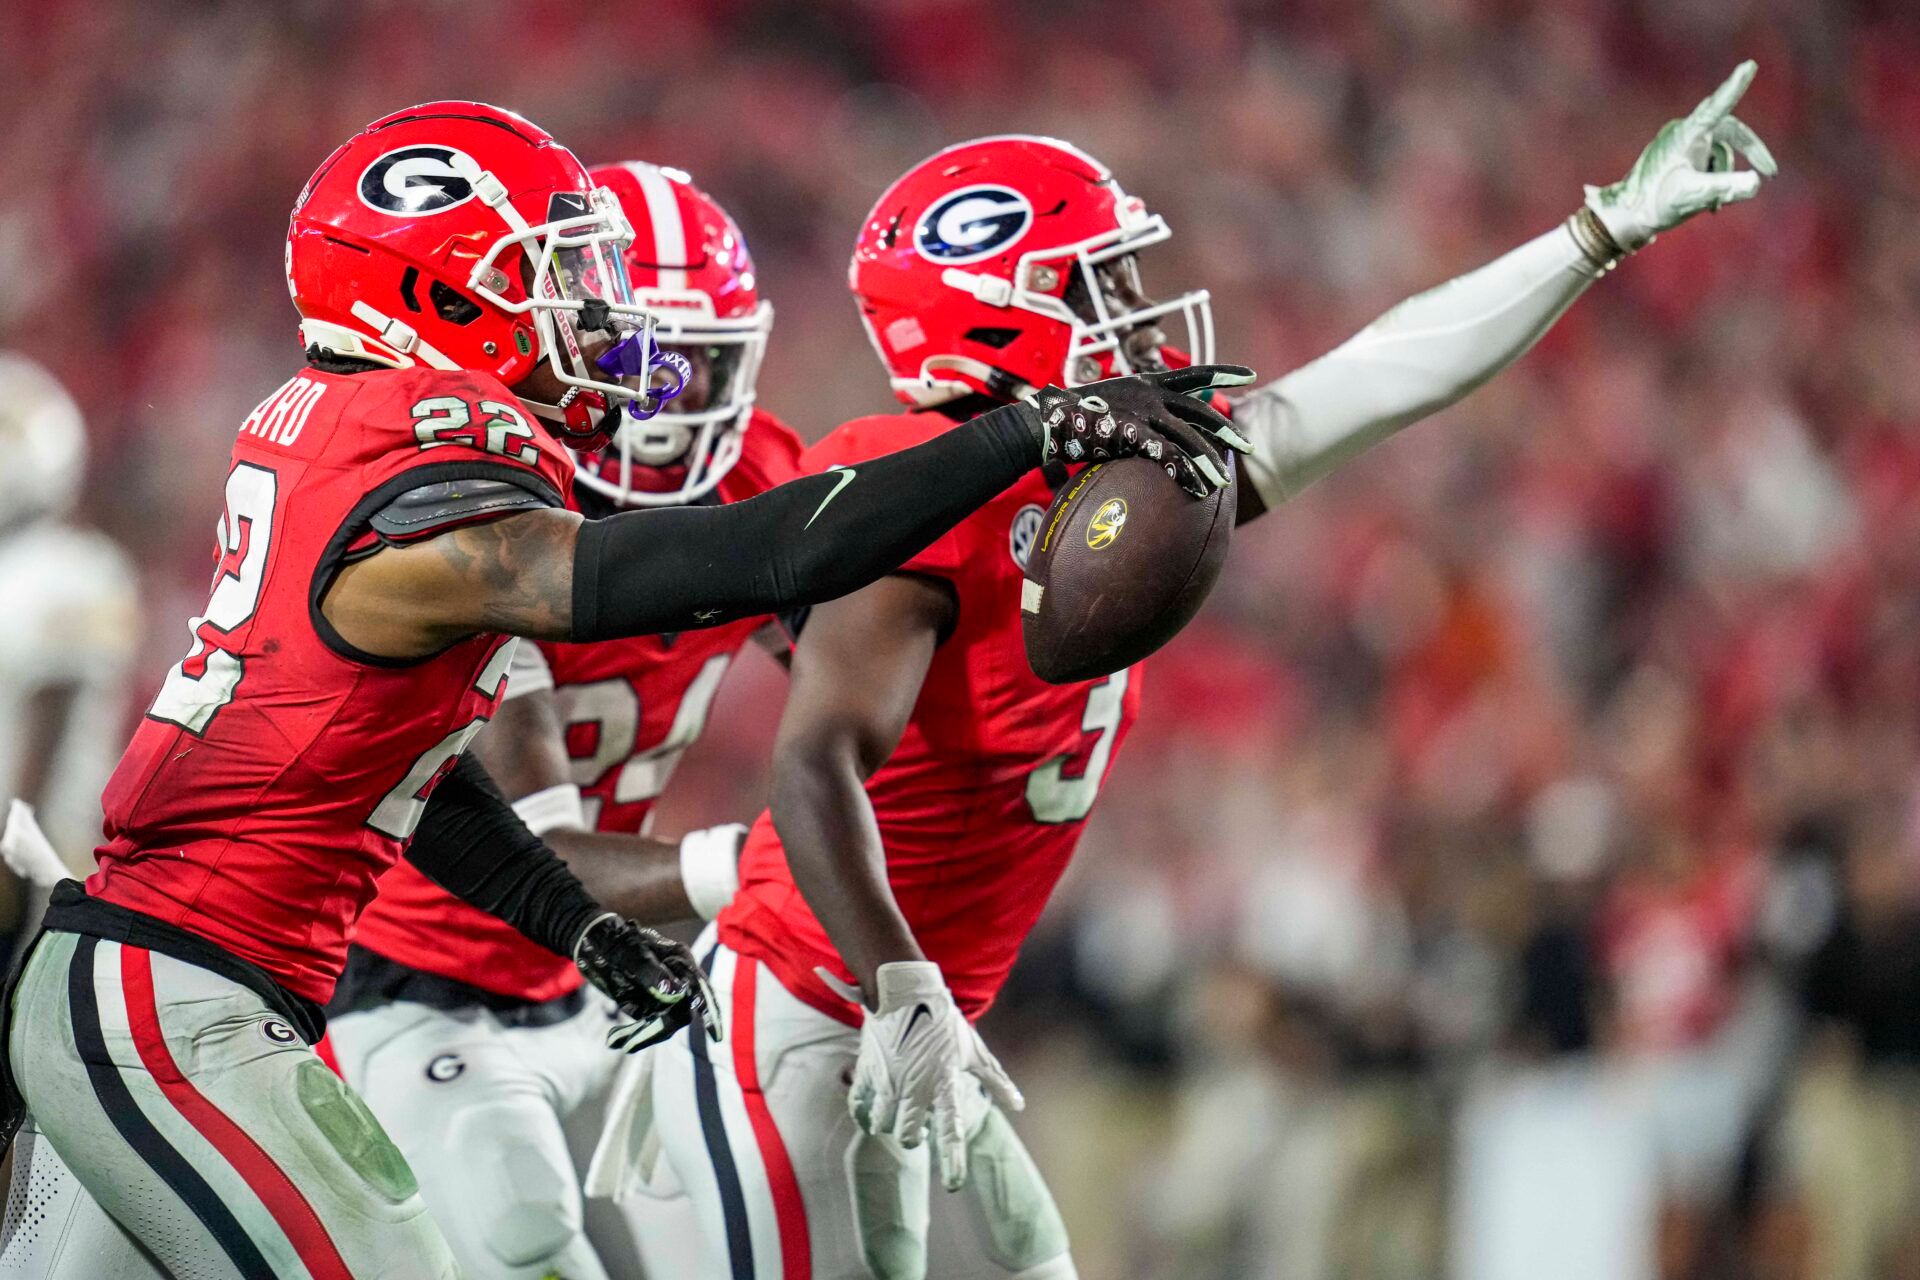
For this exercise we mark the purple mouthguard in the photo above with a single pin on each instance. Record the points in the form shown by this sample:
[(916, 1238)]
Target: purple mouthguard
[(635, 356)]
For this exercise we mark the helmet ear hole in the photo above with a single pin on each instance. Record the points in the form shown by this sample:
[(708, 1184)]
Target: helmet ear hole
[(992, 337), (451, 305)]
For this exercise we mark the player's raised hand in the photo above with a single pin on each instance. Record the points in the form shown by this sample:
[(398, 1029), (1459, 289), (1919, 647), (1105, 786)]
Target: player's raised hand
[(1688, 167), (916, 1052), (654, 981), (1162, 416)]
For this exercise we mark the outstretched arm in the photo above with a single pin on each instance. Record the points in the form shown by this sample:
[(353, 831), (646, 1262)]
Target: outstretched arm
[(1433, 349), (549, 575)]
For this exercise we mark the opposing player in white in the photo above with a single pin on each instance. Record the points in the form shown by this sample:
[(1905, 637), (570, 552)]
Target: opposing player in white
[(71, 615), (874, 919), (65, 642)]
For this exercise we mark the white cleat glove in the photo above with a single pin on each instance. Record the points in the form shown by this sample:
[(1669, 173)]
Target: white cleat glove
[(1687, 168), (916, 1051), (28, 852)]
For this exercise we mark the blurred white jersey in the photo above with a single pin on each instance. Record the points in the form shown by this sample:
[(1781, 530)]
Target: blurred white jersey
[(68, 616)]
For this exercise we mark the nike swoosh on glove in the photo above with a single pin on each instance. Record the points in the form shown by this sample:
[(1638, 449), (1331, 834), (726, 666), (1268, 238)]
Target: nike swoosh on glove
[(916, 1052)]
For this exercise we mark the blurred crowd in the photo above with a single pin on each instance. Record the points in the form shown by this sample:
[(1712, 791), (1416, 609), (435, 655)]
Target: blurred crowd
[(1516, 871)]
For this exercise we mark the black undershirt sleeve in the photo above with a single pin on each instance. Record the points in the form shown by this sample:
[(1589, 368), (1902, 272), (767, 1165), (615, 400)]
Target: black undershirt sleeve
[(801, 543), (471, 843)]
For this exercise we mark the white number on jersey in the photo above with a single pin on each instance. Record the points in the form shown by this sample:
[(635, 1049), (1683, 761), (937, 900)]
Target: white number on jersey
[(1052, 795), (204, 681), (398, 812), (449, 420), (613, 708)]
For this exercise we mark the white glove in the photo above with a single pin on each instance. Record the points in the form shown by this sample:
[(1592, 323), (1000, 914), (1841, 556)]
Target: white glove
[(27, 851), (916, 1051), (1687, 167)]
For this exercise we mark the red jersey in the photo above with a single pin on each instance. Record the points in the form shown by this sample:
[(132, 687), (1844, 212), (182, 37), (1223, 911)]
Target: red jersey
[(630, 707), (279, 772), (983, 801)]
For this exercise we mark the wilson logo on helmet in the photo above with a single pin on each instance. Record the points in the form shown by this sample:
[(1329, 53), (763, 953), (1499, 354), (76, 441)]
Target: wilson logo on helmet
[(417, 180), (972, 223)]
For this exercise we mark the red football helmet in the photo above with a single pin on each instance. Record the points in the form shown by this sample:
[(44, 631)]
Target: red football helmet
[(461, 236), (1006, 263), (689, 267)]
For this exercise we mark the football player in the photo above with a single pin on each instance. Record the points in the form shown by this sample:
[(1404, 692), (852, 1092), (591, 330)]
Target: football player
[(479, 1052), (928, 789), (395, 512), (72, 614)]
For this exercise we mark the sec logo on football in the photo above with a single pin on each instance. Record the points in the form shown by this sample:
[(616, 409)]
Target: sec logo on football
[(972, 223), (1025, 528)]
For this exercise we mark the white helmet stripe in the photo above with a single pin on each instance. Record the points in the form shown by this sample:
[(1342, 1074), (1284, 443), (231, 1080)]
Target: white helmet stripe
[(669, 233)]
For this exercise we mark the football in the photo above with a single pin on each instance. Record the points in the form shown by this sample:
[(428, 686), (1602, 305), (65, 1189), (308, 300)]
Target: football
[(1124, 559)]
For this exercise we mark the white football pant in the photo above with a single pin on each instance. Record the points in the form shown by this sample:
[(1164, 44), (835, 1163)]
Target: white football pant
[(784, 1186), (181, 1130), (497, 1121)]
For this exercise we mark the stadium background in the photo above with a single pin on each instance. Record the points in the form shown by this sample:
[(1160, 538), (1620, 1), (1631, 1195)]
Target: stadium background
[(1516, 870)]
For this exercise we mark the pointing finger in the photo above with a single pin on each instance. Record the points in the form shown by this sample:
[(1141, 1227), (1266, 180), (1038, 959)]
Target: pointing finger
[(1718, 105)]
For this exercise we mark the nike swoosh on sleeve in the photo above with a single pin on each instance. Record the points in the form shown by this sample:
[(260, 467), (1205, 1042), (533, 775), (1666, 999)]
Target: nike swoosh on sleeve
[(846, 478)]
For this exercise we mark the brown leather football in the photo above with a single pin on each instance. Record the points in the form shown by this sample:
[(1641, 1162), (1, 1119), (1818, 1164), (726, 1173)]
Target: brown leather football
[(1123, 560)]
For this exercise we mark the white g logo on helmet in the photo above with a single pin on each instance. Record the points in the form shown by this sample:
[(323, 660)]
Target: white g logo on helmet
[(418, 180), (972, 223)]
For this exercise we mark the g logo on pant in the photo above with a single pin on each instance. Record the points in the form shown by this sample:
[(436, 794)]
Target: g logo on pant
[(278, 1032), (445, 1067)]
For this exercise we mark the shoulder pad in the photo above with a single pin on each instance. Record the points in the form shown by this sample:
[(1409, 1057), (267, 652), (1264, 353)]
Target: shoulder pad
[(434, 508)]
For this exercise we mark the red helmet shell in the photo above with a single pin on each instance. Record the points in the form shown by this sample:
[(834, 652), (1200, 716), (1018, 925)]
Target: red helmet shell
[(391, 226), (688, 265), (685, 246), (963, 269)]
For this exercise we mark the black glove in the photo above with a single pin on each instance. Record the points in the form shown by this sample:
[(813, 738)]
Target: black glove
[(1162, 416), (656, 982)]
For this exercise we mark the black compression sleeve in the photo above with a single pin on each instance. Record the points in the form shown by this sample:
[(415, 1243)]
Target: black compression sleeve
[(471, 843), (810, 540)]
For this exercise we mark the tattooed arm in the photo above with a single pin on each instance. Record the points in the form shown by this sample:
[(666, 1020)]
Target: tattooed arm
[(514, 575), (552, 576)]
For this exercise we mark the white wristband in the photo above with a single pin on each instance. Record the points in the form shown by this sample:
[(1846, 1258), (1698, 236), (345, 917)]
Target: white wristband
[(556, 808), (710, 866)]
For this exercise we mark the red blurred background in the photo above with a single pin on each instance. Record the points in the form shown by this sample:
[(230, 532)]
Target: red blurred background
[(1516, 869)]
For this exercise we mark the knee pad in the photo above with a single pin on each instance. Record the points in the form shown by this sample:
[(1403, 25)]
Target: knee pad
[(522, 1235), (890, 1207), (534, 1213), (350, 1129), (1025, 1233)]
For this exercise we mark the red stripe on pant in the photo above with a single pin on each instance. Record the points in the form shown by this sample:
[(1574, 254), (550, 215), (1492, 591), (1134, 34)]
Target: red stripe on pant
[(255, 1167), (327, 1055), (789, 1211)]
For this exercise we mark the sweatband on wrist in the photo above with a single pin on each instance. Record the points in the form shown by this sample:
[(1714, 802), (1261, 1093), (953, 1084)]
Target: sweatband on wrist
[(710, 867), (556, 808)]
